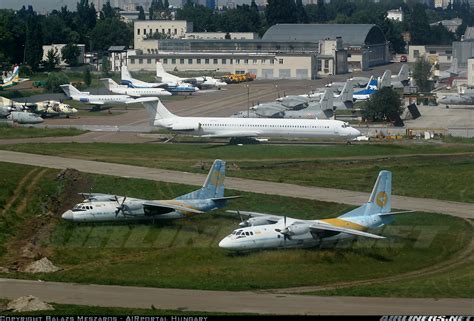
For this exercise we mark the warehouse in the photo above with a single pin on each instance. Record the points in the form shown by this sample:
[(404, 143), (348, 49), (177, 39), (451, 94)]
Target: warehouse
[(284, 52)]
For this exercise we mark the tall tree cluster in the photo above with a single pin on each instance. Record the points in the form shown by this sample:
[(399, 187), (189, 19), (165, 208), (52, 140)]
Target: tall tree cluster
[(23, 33)]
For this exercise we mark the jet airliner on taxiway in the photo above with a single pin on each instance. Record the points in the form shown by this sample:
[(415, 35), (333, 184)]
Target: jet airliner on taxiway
[(253, 128)]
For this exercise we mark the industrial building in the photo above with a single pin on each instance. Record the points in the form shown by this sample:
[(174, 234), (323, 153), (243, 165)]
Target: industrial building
[(289, 51)]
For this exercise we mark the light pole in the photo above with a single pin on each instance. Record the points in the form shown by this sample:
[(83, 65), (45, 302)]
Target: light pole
[(248, 100)]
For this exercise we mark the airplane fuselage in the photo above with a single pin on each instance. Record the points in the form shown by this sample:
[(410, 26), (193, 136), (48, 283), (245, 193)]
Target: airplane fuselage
[(105, 211), (106, 99), (142, 92), (267, 236), (257, 127)]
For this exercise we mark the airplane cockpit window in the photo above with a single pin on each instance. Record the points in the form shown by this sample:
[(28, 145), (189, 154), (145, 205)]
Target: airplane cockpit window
[(78, 207)]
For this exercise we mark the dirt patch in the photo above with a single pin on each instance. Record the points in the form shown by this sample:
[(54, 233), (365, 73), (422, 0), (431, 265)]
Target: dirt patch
[(28, 245), (28, 303), (41, 266)]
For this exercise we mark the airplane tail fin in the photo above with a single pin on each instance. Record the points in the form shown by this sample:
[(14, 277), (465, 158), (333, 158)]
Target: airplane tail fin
[(213, 186), (160, 70), (70, 90), (403, 74), (386, 79), (125, 74), (347, 91), (326, 101), (155, 108), (380, 198), (16, 73), (109, 83), (371, 84)]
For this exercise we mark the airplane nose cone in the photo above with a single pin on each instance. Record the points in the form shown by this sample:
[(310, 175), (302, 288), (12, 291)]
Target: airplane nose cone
[(355, 132), (68, 216), (225, 243)]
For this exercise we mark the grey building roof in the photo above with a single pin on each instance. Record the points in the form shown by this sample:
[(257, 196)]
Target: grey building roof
[(117, 48), (352, 34)]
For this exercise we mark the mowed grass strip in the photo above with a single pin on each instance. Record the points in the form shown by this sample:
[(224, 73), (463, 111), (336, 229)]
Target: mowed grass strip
[(184, 253), (442, 175), (11, 132)]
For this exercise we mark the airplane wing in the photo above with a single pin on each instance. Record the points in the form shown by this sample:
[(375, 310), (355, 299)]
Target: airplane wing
[(269, 217), (95, 102), (99, 196), (319, 227), (163, 208), (232, 135)]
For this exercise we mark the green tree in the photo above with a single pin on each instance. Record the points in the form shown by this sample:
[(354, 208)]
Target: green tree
[(52, 59), (422, 74), (301, 15), (141, 13), (87, 76), (34, 42), (56, 79), (383, 104), (108, 12), (418, 25), (280, 11), (105, 66), (203, 18), (111, 32), (70, 54)]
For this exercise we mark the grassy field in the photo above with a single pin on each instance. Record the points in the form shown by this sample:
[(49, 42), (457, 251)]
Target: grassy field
[(454, 283), (69, 309), (184, 253), (443, 174), (9, 132)]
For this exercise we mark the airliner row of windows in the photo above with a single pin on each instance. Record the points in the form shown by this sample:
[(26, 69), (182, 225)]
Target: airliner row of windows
[(260, 125)]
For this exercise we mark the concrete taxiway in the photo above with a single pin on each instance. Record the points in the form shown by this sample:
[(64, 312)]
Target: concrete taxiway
[(226, 301), (464, 210)]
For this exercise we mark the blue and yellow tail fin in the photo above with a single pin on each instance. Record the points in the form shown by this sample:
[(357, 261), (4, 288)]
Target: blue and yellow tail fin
[(213, 187), (380, 198)]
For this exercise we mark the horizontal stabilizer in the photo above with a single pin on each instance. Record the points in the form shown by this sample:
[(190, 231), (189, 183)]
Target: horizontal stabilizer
[(395, 213), (225, 198)]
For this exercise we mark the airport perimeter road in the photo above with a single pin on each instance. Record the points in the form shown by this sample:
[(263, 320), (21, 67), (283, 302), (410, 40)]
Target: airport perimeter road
[(464, 210), (226, 301)]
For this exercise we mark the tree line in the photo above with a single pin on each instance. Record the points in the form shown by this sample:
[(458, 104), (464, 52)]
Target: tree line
[(22, 33)]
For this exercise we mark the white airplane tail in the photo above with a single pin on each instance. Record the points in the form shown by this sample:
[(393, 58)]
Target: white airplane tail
[(125, 74), (346, 93), (70, 90), (403, 74), (385, 80), (163, 75), (109, 83), (327, 100), (155, 108)]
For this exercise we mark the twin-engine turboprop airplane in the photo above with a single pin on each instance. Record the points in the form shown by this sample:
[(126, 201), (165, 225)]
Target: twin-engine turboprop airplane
[(104, 207), (267, 231)]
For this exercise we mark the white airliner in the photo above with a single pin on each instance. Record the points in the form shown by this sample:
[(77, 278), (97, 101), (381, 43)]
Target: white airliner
[(227, 127), (175, 87), (133, 92), (204, 82), (97, 100)]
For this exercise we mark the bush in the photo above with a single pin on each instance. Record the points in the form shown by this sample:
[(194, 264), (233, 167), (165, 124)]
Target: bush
[(55, 79)]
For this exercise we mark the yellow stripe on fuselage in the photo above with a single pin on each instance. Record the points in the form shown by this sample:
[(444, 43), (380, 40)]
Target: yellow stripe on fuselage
[(343, 223)]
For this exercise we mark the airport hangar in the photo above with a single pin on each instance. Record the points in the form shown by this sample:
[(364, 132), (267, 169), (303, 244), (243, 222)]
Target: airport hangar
[(286, 51)]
